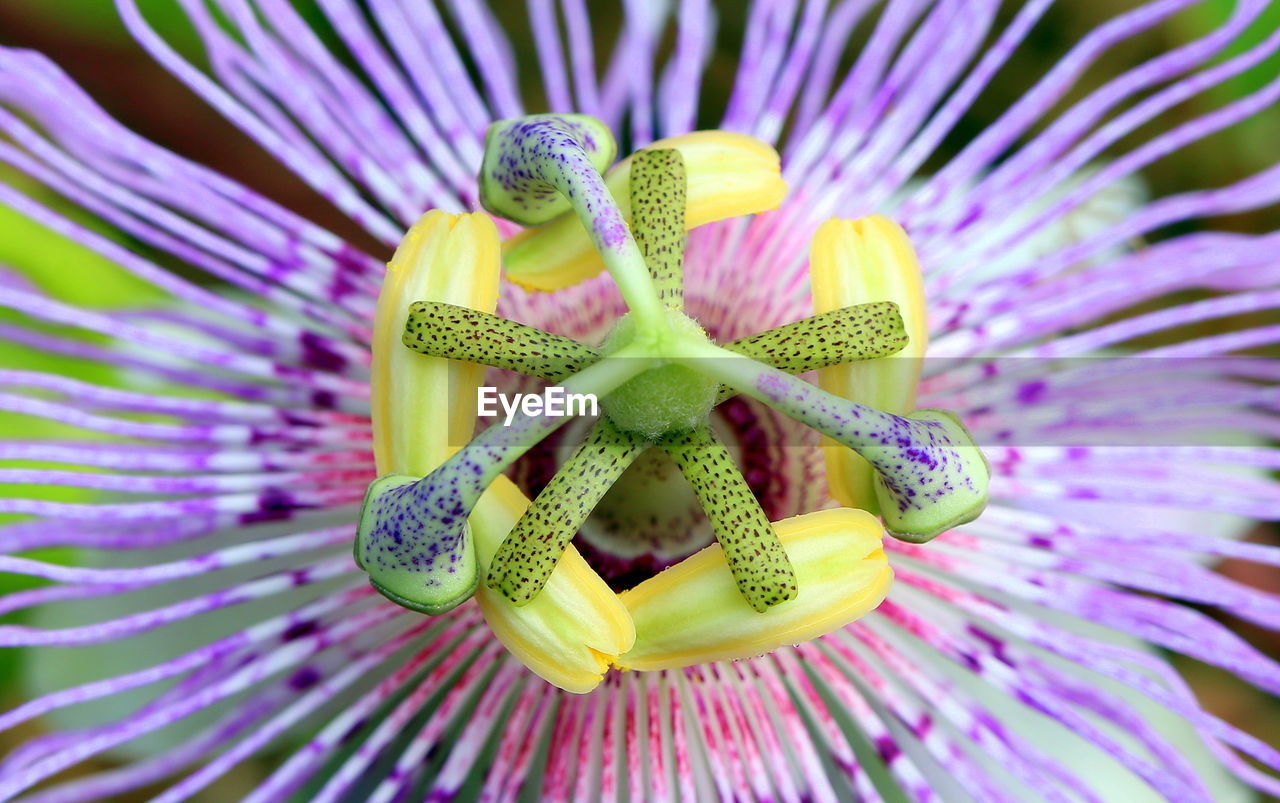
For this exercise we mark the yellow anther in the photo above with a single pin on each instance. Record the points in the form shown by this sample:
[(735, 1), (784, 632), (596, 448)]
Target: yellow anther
[(729, 175), (574, 629), (424, 409), (855, 262), (692, 612)]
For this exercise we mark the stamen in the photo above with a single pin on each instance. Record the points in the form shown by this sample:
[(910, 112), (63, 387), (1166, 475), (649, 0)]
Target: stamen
[(759, 565), (529, 554), (690, 614), (658, 199), (460, 333), (931, 476), (528, 160), (869, 259), (413, 538), (860, 332), (421, 406)]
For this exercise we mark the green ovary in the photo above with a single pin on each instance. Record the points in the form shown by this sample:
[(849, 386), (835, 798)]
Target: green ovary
[(663, 400)]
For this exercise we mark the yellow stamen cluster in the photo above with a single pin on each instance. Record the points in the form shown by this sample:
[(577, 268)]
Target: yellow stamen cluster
[(577, 628), (692, 612)]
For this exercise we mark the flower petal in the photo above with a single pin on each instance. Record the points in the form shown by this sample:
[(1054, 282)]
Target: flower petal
[(729, 175), (857, 262), (692, 613)]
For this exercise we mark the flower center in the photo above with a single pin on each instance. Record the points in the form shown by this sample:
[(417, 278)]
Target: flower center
[(649, 520), (668, 399), (659, 377)]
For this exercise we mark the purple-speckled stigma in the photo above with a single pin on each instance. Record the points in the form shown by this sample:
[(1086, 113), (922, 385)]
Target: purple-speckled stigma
[(414, 542), (931, 476), (537, 167)]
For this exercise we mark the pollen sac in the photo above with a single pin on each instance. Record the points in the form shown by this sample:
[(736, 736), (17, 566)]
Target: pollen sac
[(850, 334), (859, 332), (460, 333), (759, 564), (659, 195), (692, 613), (521, 155), (935, 479), (415, 543), (525, 561)]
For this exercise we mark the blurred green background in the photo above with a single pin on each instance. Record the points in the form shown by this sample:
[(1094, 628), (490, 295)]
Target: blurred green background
[(86, 39)]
